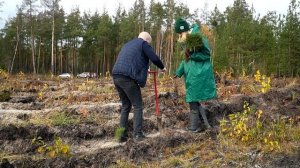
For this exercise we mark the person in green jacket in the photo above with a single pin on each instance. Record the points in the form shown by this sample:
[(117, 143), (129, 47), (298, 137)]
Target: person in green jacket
[(197, 71)]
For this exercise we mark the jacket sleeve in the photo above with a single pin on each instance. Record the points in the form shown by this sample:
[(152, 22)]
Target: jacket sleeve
[(180, 70), (148, 51), (203, 54)]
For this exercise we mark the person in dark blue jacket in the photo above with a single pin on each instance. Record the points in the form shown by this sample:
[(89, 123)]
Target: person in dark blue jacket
[(129, 75)]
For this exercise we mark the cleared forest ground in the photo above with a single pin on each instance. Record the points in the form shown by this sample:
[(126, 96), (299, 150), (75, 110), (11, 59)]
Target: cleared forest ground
[(50, 122)]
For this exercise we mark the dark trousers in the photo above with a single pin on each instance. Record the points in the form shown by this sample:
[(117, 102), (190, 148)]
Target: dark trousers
[(195, 106), (194, 115), (197, 112), (130, 95)]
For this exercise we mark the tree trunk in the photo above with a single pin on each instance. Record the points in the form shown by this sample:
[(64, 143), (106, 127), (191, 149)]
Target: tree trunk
[(61, 56), (171, 51), (104, 60), (39, 56), (16, 49), (32, 50), (52, 45)]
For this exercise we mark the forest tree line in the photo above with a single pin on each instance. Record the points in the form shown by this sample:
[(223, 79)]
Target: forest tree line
[(42, 38)]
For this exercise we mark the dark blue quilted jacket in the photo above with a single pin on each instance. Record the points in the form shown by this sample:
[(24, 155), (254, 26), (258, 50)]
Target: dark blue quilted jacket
[(132, 62)]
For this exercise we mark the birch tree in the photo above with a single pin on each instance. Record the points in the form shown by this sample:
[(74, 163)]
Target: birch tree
[(53, 7)]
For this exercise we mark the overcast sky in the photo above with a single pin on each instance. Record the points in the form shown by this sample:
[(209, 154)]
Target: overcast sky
[(8, 9)]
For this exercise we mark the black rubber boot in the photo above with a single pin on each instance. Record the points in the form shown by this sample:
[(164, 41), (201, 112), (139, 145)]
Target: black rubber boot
[(124, 136), (194, 121), (203, 115)]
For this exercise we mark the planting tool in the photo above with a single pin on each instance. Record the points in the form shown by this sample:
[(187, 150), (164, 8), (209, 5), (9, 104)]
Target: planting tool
[(157, 112)]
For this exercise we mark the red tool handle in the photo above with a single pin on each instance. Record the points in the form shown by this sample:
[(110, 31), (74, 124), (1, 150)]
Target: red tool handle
[(156, 95)]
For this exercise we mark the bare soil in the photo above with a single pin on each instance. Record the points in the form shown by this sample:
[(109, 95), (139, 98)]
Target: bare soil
[(95, 108)]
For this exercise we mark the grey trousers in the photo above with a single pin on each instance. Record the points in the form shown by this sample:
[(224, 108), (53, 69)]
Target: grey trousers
[(130, 95)]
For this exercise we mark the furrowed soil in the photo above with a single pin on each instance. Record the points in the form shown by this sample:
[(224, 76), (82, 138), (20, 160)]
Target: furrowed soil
[(36, 111)]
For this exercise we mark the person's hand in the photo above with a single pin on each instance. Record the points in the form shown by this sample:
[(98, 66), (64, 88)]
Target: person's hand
[(187, 54), (163, 70)]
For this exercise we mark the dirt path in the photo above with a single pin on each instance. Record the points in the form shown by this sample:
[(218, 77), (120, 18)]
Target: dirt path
[(92, 146)]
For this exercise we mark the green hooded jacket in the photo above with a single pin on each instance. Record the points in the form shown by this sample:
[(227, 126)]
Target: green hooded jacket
[(198, 74)]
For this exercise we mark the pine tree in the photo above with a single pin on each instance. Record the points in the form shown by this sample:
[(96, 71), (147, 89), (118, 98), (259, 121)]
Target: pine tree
[(290, 40)]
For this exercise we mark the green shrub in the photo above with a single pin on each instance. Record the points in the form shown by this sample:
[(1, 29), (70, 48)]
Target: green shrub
[(4, 96), (118, 133), (62, 119)]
